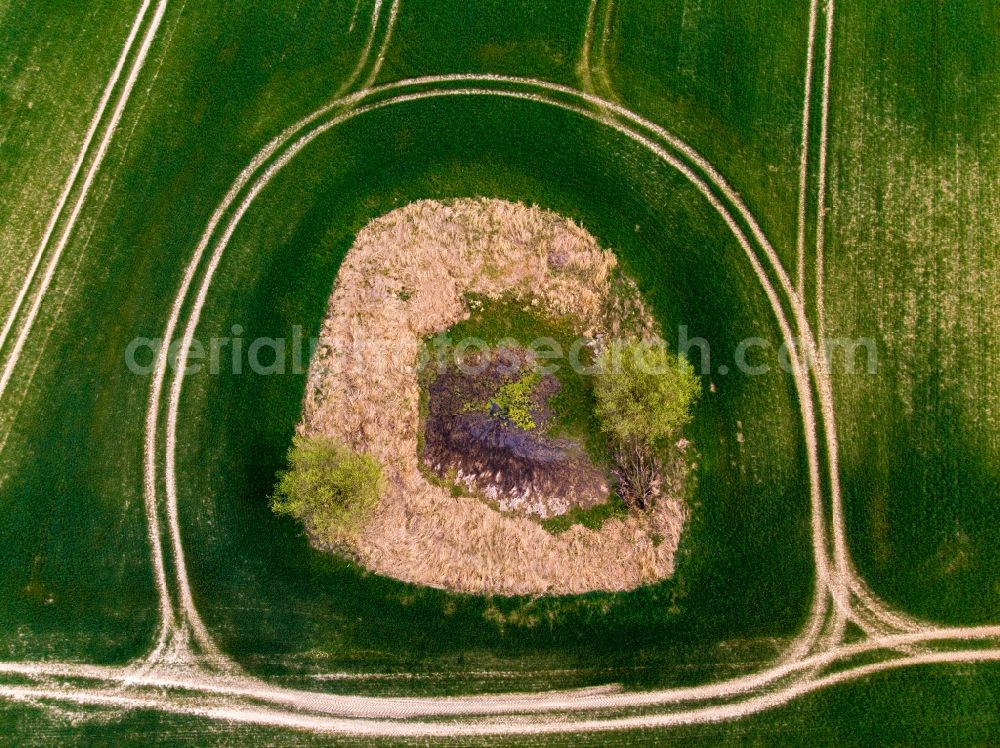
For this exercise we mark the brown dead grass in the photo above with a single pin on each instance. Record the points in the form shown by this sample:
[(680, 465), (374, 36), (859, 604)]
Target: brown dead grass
[(404, 280)]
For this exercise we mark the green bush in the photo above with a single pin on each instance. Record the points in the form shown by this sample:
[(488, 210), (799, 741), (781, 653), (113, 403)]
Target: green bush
[(644, 397), (329, 487), (644, 393)]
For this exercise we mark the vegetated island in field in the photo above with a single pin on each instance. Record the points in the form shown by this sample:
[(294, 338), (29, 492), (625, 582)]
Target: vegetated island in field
[(481, 467)]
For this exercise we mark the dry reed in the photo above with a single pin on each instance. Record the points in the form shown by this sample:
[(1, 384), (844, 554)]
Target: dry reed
[(404, 280)]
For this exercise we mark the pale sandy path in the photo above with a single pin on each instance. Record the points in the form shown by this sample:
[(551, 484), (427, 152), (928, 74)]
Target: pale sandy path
[(570, 702)]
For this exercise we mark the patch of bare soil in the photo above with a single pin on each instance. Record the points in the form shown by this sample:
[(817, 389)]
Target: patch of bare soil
[(471, 440), (407, 277)]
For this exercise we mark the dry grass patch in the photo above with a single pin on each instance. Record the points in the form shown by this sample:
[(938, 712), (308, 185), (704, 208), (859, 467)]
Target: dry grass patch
[(406, 278)]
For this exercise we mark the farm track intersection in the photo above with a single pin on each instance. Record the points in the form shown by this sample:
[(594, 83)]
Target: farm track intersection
[(185, 657)]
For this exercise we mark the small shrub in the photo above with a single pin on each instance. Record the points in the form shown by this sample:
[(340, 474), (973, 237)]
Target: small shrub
[(513, 401), (329, 487)]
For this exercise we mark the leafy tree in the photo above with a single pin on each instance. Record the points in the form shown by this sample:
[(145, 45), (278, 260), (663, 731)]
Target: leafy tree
[(644, 397), (644, 393), (329, 487)]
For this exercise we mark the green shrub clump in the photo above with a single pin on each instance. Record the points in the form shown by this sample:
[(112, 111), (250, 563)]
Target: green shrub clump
[(644, 397), (329, 487), (644, 392)]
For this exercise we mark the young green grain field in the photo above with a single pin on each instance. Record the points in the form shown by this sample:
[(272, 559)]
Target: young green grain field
[(762, 169)]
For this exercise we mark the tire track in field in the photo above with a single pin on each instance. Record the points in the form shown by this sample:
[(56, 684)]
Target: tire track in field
[(873, 616), (838, 587), (354, 16), (366, 53), (231, 701), (386, 40), (84, 240), (71, 184), (593, 62), (804, 153), (75, 171), (821, 189), (603, 66), (91, 173), (801, 376), (565, 702), (868, 613), (171, 642)]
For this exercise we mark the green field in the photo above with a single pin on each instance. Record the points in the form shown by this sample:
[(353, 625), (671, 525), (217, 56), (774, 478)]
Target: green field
[(899, 246)]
